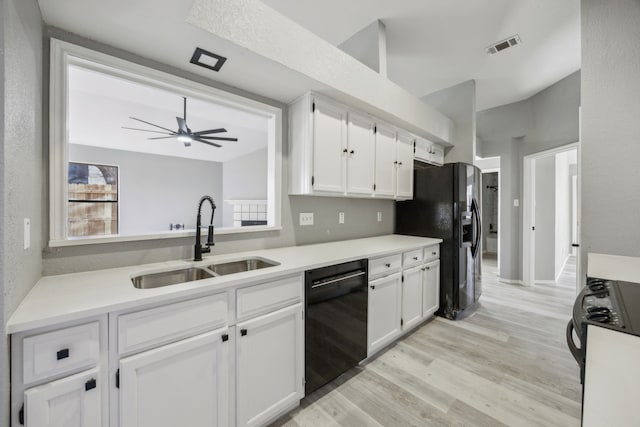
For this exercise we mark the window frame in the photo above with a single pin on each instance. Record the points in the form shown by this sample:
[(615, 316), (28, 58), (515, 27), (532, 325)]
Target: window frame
[(65, 54)]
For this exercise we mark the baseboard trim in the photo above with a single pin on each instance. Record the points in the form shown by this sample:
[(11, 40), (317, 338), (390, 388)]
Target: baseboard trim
[(546, 282), (511, 282), (564, 264)]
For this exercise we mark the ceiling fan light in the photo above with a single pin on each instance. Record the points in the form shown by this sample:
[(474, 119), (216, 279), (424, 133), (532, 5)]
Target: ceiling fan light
[(186, 139)]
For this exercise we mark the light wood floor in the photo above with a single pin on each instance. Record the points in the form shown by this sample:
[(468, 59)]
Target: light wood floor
[(507, 364)]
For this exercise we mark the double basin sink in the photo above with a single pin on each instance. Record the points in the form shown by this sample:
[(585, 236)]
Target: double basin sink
[(190, 274)]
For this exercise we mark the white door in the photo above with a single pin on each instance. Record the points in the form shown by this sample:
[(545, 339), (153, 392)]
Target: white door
[(385, 309), (405, 167), (329, 147), (270, 365), (431, 288), (69, 402), (360, 150), (179, 384), (385, 169), (412, 297)]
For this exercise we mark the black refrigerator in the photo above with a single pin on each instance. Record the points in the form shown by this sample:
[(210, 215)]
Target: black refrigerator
[(446, 204)]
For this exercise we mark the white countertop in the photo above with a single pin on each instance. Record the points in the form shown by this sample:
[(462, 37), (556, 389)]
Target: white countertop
[(69, 297), (613, 267)]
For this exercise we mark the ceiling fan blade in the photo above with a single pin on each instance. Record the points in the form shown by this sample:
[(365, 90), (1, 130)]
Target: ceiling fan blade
[(182, 125), (218, 138), (164, 137), (168, 130), (207, 132), (146, 130), (195, 138)]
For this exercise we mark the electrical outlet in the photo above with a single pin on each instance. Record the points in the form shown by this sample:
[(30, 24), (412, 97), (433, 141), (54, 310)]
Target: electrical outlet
[(341, 218), (379, 216), (306, 218), (27, 233)]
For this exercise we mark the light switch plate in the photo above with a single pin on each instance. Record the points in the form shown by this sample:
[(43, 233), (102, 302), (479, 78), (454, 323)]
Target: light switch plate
[(516, 203), (306, 218), (379, 216), (341, 218), (27, 233)]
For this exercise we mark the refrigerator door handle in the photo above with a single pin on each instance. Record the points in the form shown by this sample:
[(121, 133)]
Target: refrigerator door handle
[(478, 229)]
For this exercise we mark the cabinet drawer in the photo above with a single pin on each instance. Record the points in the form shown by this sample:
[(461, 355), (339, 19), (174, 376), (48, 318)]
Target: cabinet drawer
[(265, 297), (431, 253), (167, 323), (61, 351), (384, 265), (412, 258)]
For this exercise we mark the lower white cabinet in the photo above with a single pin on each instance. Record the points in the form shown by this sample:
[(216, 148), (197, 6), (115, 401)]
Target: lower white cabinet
[(384, 311), (269, 365), (411, 297), (184, 383), (74, 401), (430, 288)]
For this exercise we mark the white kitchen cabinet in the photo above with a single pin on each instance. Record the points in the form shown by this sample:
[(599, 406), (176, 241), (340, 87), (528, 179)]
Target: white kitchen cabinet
[(404, 167), (329, 145), (384, 311), (74, 401), (430, 288), (270, 365), (360, 154), (429, 152), (183, 383), (411, 297), (385, 158)]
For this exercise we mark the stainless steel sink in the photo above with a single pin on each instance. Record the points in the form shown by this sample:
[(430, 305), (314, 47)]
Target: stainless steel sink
[(173, 277), (241, 266)]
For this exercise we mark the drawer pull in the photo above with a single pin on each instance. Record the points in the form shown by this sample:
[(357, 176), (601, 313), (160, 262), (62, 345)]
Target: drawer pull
[(243, 332), (90, 385), (62, 354), (387, 265), (434, 253), (225, 337), (415, 258)]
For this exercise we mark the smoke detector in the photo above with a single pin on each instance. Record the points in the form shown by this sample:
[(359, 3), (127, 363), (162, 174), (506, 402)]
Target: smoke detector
[(504, 44)]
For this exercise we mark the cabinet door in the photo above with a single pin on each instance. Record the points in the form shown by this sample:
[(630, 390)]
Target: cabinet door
[(329, 143), (385, 170), (412, 297), (431, 288), (269, 365), (385, 306), (179, 384), (405, 168), (437, 154), (69, 402), (360, 151)]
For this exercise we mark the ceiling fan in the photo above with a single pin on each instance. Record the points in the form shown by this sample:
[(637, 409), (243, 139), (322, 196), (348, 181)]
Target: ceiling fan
[(184, 134)]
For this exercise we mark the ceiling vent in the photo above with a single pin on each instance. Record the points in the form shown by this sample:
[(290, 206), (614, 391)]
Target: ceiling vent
[(504, 44)]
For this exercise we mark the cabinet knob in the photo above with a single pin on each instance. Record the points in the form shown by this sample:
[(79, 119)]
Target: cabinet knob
[(62, 354), (415, 258), (395, 163), (373, 286), (225, 337), (352, 152), (345, 150), (243, 332), (428, 268), (400, 163), (388, 265), (433, 253)]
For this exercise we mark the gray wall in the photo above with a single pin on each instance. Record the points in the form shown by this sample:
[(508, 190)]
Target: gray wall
[(22, 161), (547, 120), (610, 128), (459, 104), (360, 214), (4, 359), (244, 179), (155, 190), (545, 218)]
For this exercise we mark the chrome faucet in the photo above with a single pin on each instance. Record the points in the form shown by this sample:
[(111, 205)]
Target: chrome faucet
[(199, 249)]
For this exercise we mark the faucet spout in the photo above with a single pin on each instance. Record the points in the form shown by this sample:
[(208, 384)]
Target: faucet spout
[(198, 248)]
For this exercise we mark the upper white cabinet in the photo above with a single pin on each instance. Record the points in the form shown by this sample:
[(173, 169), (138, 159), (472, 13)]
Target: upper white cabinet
[(429, 152), (329, 147), (335, 150), (360, 154)]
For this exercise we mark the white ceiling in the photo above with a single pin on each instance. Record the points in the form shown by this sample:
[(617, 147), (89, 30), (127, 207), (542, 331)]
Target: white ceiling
[(436, 44), (431, 44), (100, 105)]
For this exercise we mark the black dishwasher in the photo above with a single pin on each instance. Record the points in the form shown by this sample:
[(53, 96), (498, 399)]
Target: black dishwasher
[(335, 321)]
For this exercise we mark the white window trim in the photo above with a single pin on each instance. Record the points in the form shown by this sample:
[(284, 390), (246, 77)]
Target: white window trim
[(64, 54)]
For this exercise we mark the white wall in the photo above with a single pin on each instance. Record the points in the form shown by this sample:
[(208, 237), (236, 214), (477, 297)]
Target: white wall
[(545, 218), (369, 47), (156, 191), (610, 131), (563, 212), (22, 168), (244, 178)]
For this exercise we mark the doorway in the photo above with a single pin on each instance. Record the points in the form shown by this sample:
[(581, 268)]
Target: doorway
[(551, 217), (491, 219)]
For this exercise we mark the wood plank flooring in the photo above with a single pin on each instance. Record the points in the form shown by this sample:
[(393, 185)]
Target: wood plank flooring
[(506, 364)]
